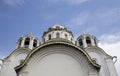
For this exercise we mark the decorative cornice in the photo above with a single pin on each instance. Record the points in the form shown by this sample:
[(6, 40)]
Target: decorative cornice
[(58, 40)]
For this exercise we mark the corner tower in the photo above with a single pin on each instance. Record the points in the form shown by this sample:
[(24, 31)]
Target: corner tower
[(57, 32), (86, 40), (28, 41)]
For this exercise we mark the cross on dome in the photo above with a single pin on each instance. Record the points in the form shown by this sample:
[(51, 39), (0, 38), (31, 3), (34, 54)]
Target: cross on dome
[(58, 26)]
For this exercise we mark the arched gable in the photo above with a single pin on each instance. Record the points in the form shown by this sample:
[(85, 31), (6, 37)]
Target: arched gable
[(100, 50), (14, 52), (54, 43)]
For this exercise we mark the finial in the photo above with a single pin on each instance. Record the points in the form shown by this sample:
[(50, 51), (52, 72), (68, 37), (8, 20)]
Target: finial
[(84, 33), (30, 33)]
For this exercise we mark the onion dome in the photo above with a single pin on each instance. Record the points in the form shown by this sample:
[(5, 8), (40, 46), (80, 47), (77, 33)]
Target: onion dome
[(86, 40), (28, 41), (57, 33)]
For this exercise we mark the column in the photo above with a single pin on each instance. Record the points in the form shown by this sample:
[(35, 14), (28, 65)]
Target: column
[(23, 41), (84, 42), (31, 43), (92, 41)]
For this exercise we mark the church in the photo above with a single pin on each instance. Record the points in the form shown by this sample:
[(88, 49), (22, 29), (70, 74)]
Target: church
[(58, 54)]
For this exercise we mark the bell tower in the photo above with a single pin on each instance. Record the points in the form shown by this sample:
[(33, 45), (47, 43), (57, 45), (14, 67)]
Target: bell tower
[(86, 40), (28, 41)]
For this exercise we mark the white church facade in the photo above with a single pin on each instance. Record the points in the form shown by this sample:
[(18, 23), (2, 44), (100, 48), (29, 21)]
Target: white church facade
[(58, 54)]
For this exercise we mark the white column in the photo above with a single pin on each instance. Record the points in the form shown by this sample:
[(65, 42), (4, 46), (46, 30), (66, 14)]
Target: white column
[(23, 41), (31, 43), (84, 42), (38, 43), (92, 41)]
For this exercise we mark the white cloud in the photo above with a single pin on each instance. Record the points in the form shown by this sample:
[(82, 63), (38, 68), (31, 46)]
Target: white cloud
[(14, 2), (80, 19), (111, 45), (110, 38), (75, 1), (93, 20), (108, 17), (72, 2)]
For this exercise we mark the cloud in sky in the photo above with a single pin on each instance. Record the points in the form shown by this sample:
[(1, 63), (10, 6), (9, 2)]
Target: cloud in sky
[(111, 44), (14, 2), (71, 2), (110, 38), (80, 19), (94, 20), (108, 17), (2, 55)]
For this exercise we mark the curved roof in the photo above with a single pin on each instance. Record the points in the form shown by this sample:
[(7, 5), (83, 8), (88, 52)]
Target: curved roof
[(28, 36), (86, 34), (15, 51), (98, 49), (57, 27), (51, 43)]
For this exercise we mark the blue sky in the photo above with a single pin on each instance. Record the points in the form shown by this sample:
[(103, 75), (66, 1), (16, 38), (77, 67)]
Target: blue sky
[(97, 17)]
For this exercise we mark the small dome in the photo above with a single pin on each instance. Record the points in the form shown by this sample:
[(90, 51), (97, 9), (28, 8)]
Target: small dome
[(57, 32), (28, 41), (86, 40)]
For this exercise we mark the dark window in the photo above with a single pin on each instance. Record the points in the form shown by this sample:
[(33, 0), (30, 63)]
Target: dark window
[(27, 41), (19, 44), (80, 42), (44, 39), (88, 41), (35, 43), (57, 27), (49, 36), (20, 41), (57, 35), (66, 36)]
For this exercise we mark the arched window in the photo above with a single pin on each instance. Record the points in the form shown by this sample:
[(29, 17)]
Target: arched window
[(88, 41), (66, 36), (49, 36), (80, 42), (57, 35), (27, 41), (57, 27), (35, 43)]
